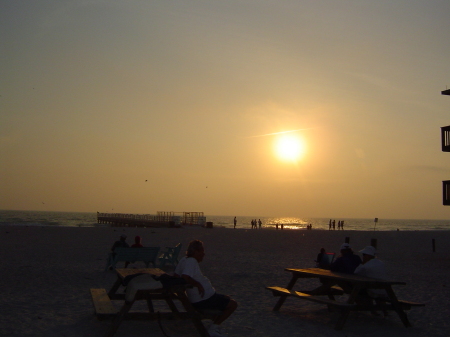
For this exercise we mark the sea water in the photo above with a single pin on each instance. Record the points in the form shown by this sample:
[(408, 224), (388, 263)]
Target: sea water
[(78, 219)]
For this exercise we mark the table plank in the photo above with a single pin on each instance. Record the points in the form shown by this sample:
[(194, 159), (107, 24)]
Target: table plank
[(124, 272), (102, 303), (324, 273)]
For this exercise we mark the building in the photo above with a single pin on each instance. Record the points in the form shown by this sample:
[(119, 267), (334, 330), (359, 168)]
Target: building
[(445, 139)]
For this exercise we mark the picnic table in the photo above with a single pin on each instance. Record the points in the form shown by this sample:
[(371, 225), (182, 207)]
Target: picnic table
[(105, 308), (332, 284)]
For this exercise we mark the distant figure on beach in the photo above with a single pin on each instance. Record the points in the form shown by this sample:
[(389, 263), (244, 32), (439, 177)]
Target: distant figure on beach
[(329, 225), (347, 262), (342, 224), (235, 222), (334, 224), (203, 295), (137, 242), (259, 223), (339, 224)]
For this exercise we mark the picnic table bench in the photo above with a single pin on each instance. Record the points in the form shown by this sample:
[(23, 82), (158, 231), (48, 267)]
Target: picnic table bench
[(358, 285), (130, 254)]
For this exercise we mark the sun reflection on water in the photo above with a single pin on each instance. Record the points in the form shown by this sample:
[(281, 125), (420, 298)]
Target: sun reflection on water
[(288, 223)]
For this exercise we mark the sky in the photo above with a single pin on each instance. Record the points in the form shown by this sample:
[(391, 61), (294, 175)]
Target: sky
[(145, 106)]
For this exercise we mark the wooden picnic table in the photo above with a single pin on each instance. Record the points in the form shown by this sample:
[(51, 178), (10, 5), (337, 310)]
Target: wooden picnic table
[(105, 308), (356, 286)]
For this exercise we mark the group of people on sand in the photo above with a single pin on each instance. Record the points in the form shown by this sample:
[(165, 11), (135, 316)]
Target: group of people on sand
[(122, 242), (203, 296), (256, 223), (350, 263), (332, 225)]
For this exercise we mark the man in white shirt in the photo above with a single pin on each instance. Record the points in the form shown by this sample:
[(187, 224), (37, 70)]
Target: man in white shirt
[(371, 267), (203, 295), (374, 268)]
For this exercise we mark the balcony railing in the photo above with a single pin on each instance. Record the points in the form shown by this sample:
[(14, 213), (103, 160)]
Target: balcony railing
[(446, 192), (445, 138)]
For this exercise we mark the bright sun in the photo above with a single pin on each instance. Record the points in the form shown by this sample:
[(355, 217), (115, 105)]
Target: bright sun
[(289, 147)]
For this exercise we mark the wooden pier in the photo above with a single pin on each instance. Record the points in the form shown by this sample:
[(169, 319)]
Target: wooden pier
[(161, 219)]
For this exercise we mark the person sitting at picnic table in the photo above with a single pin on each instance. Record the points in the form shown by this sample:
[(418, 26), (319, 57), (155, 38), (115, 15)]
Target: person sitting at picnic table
[(203, 295), (374, 268), (347, 262), (137, 242), (322, 260), (120, 243)]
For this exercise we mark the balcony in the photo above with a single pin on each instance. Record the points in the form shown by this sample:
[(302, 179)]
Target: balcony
[(445, 138), (446, 192)]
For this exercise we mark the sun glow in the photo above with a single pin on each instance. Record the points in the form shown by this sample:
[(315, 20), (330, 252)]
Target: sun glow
[(289, 147)]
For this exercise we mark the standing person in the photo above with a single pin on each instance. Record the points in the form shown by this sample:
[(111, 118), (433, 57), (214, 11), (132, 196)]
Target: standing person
[(203, 295), (235, 222), (329, 225), (342, 224), (334, 224), (259, 223)]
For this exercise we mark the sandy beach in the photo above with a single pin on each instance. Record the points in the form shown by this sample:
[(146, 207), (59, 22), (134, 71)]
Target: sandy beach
[(47, 273)]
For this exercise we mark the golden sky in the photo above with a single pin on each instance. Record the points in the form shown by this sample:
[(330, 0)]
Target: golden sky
[(145, 106)]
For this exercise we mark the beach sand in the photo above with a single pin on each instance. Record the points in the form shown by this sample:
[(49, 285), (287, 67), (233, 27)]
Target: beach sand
[(46, 274)]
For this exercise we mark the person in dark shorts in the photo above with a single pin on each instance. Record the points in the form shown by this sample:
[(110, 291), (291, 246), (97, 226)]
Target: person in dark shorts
[(203, 295)]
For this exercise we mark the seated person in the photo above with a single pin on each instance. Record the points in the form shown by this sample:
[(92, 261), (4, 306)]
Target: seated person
[(347, 262), (203, 295), (371, 267), (121, 243), (322, 260), (137, 242)]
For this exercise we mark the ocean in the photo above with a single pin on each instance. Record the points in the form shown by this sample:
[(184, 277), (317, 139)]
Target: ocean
[(79, 219)]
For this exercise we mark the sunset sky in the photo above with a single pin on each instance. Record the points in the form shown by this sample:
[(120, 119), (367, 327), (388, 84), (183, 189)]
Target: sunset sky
[(145, 106)]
